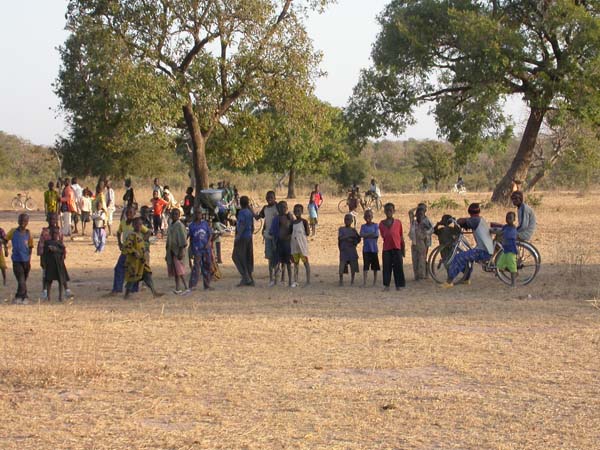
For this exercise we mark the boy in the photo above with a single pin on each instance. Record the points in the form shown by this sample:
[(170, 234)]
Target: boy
[(482, 252), (508, 258), (51, 200), (158, 206), (85, 205), (137, 267), (348, 239), (300, 233), (281, 231), (369, 232), (268, 213), (243, 249), (22, 245), (200, 234), (420, 236), (394, 249), (188, 204)]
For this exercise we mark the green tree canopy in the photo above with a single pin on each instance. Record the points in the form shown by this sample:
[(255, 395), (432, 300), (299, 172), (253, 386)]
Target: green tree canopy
[(434, 160), (468, 57), (215, 57)]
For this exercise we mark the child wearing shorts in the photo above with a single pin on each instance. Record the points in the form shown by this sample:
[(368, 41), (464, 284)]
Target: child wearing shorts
[(369, 232), (508, 259), (300, 233), (348, 239)]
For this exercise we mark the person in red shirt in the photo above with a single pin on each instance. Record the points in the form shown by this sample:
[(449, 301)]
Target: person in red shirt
[(318, 197), (390, 230), (158, 206)]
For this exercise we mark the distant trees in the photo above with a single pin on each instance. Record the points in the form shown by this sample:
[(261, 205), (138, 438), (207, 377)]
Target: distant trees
[(467, 57), (434, 161)]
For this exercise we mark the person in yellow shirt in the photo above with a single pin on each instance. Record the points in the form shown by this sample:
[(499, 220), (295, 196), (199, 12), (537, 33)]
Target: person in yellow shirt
[(51, 200)]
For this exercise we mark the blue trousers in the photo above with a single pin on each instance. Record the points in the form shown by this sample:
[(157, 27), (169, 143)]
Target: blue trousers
[(202, 266), (119, 279), (460, 262)]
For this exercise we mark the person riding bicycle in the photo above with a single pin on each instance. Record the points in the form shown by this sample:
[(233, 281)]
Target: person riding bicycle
[(460, 184), (373, 190), (483, 251)]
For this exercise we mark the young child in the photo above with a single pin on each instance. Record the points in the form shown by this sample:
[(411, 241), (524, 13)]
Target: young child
[(394, 249), (99, 219), (447, 234), (3, 255), (348, 239), (300, 233), (200, 235), (137, 266), (420, 233), (268, 213), (85, 205), (281, 230), (45, 236), (313, 214), (54, 263), (22, 245), (188, 204), (243, 246), (482, 252), (158, 206), (508, 258), (176, 244), (51, 200), (369, 232)]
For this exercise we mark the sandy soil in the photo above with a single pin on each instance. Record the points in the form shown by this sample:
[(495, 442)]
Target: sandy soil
[(479, 366)]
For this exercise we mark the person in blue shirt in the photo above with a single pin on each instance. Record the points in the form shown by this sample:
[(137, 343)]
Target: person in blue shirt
[(508, 259), (200, 234), (243, 250), (22, 245), (369, 232)]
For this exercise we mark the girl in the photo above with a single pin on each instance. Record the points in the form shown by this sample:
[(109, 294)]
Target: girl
[(137, 260), (390, 230), (299, 245), (313, 214), (54, 263)]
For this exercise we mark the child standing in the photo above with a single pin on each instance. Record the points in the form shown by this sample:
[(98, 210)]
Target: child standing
[(158, 206), (420, 235), (3, 255), (348, 239), (22, 245), (281, 230), (45, 235), (369, 232), (268, 213), (188, 204), (99, 219), (51, 200), (200, 234), (394, 250), (85, 205), (243, 246), (313, 213), (508, 258), (54, 263), (300, 234), (176, 244), (137, 262)]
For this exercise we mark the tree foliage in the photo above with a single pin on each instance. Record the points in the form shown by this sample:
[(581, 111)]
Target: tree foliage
[(434, 160), (468, 57), (214, 57)]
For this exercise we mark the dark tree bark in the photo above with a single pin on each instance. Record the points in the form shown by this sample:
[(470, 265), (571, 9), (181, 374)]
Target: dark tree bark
[(198, 148), (292, 183), (520, 164)]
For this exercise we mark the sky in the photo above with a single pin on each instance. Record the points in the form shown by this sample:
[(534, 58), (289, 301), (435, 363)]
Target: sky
[(32, 30)]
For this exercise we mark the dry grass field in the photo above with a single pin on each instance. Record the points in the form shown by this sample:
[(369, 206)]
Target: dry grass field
[(323, 367)]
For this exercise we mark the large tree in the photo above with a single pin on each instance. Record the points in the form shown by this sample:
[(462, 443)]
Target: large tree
[(468, 57), (215, 55)]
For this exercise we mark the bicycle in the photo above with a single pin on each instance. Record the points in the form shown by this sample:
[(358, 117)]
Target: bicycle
[(461, 190), (372, 201), (528, 261), (23, 201)]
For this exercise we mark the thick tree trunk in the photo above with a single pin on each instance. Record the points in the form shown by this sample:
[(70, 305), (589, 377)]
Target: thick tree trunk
[(545, 169), (292, 183), (198, 148), (520, 164)]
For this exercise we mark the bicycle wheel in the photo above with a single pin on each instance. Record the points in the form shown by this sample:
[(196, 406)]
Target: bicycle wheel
[(15, 204), (378, 203), (29, 204), (438, 268), (258, 224), (343, 206), (528, 265)]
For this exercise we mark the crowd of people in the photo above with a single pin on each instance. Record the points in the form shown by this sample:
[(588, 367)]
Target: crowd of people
[(192, 238)]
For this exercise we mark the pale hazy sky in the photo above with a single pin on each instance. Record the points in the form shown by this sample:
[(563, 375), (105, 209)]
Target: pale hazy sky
[(30, 32)]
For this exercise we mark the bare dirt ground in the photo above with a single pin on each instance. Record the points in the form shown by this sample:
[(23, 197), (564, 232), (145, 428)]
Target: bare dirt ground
[(477, 367)]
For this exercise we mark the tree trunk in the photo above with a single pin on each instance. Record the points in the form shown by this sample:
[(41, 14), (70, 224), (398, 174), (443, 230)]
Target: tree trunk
[(545, 169), (292, 183), (198, 149), (520, 165)]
